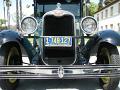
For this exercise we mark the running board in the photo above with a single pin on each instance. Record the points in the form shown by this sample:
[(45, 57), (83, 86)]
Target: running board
[(59, 72)]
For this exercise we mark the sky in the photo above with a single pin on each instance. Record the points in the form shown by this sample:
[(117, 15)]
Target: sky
[(26, 11), (96, 1)]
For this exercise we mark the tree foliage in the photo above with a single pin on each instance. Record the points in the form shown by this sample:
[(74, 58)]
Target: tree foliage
[(93, 8), (2, 21), (2, 24), (8, 3)]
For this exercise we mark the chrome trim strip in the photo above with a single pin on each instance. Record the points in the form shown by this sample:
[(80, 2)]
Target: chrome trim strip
[(58, 72)]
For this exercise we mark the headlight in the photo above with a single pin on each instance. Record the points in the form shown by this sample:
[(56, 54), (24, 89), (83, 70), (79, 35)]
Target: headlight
[(29, 25), (88, 25)]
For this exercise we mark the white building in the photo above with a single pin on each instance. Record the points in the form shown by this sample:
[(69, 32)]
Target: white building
[(109, 17)]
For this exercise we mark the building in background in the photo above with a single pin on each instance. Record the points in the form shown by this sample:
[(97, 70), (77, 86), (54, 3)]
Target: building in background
[(109, 17)]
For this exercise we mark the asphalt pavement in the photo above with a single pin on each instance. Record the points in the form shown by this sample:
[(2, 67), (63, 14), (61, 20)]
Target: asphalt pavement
[(82, 84)]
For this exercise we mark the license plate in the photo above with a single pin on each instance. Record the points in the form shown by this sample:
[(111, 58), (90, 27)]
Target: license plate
[(59, 41)]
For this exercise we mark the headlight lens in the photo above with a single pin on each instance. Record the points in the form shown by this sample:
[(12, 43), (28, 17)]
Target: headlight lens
[(88, 25), (29, 25)]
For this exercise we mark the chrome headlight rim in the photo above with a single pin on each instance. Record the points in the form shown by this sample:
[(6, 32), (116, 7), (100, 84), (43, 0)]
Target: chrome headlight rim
[(36, 24), (85, 31)]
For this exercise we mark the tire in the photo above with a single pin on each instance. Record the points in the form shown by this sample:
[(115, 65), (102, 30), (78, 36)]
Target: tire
[(108, 55), (10, 56)]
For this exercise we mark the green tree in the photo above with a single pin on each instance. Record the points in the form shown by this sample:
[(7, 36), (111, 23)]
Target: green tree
[(93, 8), (2, 24), (2, 21)]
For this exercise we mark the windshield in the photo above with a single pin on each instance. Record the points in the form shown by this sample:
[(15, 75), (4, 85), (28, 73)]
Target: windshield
[(56, 1), (73, 8)]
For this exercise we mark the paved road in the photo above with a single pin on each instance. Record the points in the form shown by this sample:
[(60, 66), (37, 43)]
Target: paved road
[(82, 84)]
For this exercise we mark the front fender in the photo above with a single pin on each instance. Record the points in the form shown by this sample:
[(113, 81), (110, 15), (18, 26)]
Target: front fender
[(108, 36), (9, 36)]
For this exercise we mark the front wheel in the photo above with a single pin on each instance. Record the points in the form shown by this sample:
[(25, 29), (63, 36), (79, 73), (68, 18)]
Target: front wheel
[(108, 55), (10, 56)]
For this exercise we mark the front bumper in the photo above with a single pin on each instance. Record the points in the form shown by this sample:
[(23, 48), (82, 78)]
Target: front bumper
[(59, 72)]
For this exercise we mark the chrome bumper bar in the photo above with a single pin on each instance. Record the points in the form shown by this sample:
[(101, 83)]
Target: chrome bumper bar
[(59, 72)]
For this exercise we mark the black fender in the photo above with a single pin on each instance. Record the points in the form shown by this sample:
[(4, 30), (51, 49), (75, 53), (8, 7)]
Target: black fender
[(108, 37), (10, 36), (7, 39)]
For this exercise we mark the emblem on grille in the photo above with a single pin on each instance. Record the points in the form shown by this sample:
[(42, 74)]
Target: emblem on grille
[(60, 72)]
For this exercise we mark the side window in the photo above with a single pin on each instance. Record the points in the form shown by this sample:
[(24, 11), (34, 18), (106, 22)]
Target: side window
[(118, 27), (119, 8), (101, 27), (111, 26), (101, 15), (111, 11), (106, 26), (97, 17), (106, 13)]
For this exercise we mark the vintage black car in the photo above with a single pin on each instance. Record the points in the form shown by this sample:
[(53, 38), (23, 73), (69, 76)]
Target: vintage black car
[(65, 45)]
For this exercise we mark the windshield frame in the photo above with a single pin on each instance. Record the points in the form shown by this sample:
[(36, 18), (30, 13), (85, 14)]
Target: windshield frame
[(56, 1), (36, 4)]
